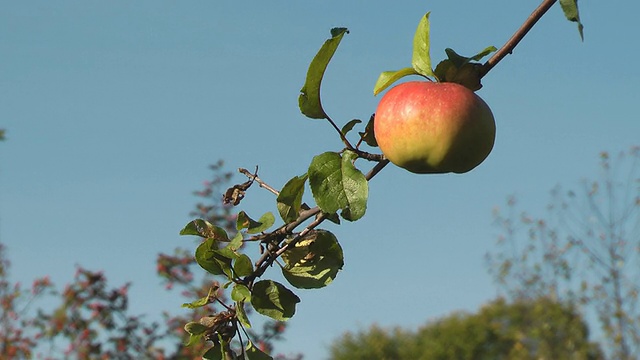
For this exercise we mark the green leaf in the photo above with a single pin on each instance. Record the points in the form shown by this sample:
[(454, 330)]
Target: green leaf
[(240, 293), (570, 9), (200, 302), (206, 259), (216, 262), (243, 265), (2, 132), (214, 353), (272, 299), (205, 229), (235, 244), (193, 339), (337, 185), (314, 261), (195, 328), (309, 99), (348, 126), (253, 353), (253, 227), (461, 70), (389, 77), (242, 314), (356, 188), (289, 200), (369, 136), (421, 60), (488, 50)]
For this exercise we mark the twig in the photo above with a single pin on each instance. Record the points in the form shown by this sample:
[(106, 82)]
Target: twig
[(508, 47), (267, 259), (344, 138), (255, 178)]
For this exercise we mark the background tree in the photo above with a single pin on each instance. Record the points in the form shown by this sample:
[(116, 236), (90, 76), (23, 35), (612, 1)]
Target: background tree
[(526, 329), (91, 320), (584, 250)]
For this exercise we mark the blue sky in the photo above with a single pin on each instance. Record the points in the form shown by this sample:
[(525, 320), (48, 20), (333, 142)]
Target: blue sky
[(114, 109)]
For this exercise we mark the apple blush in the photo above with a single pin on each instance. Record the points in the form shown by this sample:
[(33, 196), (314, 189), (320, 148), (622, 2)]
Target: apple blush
[(431, 128)]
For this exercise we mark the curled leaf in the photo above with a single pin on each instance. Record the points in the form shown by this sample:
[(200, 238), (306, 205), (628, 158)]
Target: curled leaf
[(289, 201), (272, 299), (570, 9), (309, 99)]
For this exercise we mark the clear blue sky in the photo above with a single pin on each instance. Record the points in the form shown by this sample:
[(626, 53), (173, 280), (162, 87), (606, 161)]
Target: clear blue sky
[(114, 109)]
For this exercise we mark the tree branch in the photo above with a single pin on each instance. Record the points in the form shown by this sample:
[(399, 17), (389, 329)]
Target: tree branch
[(508, 47), (267, 259)]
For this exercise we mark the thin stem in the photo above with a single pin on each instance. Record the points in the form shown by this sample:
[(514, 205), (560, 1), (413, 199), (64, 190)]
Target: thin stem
[(508, 47), (344, 138), (255, 178), (235, 324)]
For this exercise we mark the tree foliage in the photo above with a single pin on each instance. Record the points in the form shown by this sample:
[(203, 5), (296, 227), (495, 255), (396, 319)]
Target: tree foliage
[(525, 329), (584, 250)]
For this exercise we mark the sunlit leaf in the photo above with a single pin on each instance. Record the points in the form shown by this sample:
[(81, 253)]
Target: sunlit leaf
[(488, 50), (570, 9), (200, 302), (272, 299), (240, 293), (309, 99), (205, 257), (387, 78), (289, 200), (337, 185), (193, 339), (421, 60), (205, 229), (314, 261), (195, 328), (212, 259), (245, 222)]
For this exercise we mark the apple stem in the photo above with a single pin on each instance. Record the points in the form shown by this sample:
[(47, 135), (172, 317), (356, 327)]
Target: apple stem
[(508, 47)]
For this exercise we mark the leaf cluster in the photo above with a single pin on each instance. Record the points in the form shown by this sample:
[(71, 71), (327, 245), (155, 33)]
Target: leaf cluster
[(465, 71), (310, 258)]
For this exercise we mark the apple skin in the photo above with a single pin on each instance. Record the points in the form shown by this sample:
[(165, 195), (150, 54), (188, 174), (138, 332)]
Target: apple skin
[(430, 127)]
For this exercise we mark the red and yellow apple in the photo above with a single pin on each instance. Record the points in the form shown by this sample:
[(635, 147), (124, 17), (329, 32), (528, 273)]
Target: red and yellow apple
[(430, 127)]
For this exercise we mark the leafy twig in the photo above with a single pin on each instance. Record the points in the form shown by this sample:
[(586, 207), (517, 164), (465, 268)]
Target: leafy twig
[(254, 177)]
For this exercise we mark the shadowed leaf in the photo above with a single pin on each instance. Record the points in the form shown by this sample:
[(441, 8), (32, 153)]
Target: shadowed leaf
[(272, 299), (314, 261)]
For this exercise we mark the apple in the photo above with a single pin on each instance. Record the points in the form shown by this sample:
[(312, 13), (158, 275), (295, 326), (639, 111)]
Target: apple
[(431, 127)]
